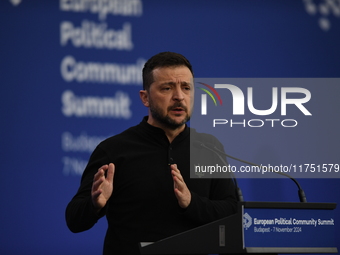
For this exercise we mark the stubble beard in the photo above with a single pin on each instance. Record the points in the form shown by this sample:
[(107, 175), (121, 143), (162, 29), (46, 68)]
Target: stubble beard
[(165, 120)]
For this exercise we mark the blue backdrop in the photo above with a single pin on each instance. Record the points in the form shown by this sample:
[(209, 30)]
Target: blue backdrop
[(70, 75)]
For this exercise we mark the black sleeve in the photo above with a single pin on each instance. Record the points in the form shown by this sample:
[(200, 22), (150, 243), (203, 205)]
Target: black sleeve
[(80, 212), (221, 201)]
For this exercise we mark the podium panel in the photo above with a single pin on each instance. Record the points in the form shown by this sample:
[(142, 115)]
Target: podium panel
[(288, 227), (258, 227)]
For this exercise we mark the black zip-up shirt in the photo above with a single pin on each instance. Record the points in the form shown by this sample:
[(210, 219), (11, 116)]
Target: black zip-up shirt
[(143, 206)]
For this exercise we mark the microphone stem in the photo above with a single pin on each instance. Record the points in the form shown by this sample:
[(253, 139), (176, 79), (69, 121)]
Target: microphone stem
[(301, 193)]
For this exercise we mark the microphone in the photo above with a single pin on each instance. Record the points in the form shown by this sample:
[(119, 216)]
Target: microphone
[(238, 190), (301, 193)]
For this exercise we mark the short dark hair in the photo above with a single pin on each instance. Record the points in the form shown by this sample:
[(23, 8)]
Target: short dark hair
[(163, 59)]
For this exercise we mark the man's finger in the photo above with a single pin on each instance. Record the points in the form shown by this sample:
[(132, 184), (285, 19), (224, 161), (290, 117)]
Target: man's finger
[(174, 167), (179, 184), (96, 194), (178, 175), (104, 167), (110, 172), (100, 172), (96, 184), (98, 175)]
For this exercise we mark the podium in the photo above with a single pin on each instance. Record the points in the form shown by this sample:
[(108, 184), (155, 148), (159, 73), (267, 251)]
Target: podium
[(258, 227)]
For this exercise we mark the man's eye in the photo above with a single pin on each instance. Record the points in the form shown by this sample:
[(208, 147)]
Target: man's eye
[(166, 88)]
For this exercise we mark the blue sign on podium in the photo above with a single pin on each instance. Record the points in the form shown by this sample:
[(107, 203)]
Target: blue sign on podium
[(268, 227), (258, 227)]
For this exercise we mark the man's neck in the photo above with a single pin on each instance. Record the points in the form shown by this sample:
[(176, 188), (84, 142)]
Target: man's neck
[(173, 133), (169, 132)]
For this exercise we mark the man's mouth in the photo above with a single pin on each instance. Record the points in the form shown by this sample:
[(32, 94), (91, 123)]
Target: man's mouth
[(178, 109)]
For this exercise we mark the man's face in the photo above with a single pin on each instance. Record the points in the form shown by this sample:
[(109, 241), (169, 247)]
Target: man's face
[(170, 97)]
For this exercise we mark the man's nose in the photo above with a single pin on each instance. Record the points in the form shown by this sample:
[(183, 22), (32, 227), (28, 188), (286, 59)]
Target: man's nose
[(178, 94)]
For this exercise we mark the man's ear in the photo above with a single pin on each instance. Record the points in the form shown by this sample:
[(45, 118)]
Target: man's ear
[(144, 96)]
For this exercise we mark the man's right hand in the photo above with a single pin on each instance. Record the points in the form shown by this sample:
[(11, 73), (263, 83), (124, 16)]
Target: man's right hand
[(102, 187)]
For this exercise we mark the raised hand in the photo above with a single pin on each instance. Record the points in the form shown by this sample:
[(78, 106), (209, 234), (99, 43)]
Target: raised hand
[(181, 190), (102, 186)]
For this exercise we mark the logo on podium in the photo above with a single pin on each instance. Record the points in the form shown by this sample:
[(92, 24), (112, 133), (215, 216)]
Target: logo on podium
[(247, 221)]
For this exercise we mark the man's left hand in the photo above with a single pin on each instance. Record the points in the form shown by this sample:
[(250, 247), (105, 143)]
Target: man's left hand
[(181, 190)]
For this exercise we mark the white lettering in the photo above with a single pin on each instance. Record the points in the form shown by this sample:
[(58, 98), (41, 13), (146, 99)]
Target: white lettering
[(238, 97), (262, 112), (252, 122), (297, 101), (73, 166), (291, 120), (93, 35), (238, 100), (256, 120), (219, 121), (71, 70), (104, 7), (100, 107), (81, 143), (239, 123)]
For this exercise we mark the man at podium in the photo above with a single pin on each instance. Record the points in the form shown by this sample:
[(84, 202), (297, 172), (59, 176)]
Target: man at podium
[(140, 179)]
